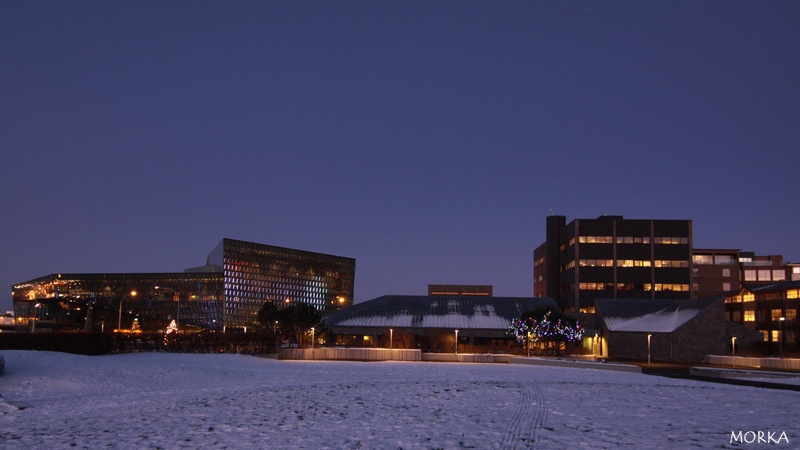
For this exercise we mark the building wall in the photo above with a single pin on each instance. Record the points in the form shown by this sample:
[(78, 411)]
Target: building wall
[(256, 274), (760, 309), (92, 301), (613, 257), (703, 335)]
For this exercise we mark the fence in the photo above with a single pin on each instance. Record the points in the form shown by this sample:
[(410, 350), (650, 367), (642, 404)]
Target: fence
[(743, 361), (350, 354)]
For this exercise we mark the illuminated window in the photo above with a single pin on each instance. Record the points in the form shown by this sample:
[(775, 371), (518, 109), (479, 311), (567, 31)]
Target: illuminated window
[(793, 293), (776, 335), (776, 314), (764, 275), (766, 335), (749, 316), (748, 297), (702, 259), (791, 314), (778, 275), (726, 272), (726, 287), (749, 275)]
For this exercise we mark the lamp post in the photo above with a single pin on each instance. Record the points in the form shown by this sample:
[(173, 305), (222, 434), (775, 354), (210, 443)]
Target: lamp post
[(528, 344), (312, 342), (391, 344), (35, 317), (733, 350), (178, 313), (456, 342), (119, 321), (648, 348), (780, 335)]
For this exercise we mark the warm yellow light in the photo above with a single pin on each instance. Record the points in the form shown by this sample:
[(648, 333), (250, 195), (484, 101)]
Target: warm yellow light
[(133, 293), (341, 299)]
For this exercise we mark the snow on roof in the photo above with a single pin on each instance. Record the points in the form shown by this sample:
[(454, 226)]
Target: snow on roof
[(650, 315), (397, 311)]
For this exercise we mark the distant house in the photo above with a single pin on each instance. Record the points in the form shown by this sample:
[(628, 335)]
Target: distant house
[(669, 330), (423, 321)]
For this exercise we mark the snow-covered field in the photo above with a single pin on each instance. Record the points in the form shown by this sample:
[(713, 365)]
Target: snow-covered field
[(163, 400)]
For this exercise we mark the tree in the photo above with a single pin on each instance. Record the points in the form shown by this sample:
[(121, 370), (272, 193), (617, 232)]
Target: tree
[(547, 327), (293, 321)]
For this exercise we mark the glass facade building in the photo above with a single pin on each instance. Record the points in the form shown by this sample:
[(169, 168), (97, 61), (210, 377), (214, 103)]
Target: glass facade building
[(226, 293), (256, 274), (102, 302)]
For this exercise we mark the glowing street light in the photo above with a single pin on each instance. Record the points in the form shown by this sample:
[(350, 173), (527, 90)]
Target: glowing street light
[(35, 317), (391, 338), (780, 335), (733, 349), (119, 322), (456, 342), (648, 347)]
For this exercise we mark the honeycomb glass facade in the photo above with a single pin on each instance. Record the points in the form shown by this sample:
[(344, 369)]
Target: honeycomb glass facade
[(224, 295), (256, 274)]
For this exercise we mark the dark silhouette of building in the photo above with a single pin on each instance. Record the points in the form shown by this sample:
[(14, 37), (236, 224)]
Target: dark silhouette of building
[(613, 257), (460, 289)]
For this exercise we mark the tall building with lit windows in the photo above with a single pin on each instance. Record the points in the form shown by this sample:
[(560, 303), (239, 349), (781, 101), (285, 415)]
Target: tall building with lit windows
[(257, 273), (613, 257), (718, 271), (226, 293)]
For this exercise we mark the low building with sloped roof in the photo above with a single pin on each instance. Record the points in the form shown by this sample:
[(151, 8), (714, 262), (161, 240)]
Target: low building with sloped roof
[(429, 322), (668, 330)]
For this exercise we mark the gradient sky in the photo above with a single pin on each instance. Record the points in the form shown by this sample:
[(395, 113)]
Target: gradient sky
[(428, 140)]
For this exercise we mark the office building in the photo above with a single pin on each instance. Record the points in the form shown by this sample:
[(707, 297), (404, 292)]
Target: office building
[(717, 271), (613, 257)]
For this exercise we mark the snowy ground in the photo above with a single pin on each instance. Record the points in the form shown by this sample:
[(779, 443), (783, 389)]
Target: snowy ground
[(161, 400)]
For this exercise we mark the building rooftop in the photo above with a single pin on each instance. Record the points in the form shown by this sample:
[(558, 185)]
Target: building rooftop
[(444, 312), (650, 315)]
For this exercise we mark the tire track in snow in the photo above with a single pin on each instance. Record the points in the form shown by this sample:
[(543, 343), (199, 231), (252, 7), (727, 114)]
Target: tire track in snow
[(528, 419)]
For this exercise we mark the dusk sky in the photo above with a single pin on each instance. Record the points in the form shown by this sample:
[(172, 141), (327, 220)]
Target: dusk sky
[(427, 140)]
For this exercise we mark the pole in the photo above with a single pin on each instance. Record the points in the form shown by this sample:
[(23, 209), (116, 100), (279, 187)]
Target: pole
[(391, 338), (780, 336), (648, 348), (456, 342), (733, 349), (119, 321)]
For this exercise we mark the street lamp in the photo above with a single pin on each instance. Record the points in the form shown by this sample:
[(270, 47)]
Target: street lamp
[(178, 314), (119, 321), (391, 338), (312, 342), (35, 317), (456, 342), (780, 335), (733, 350), (648, 347), (528, 344)]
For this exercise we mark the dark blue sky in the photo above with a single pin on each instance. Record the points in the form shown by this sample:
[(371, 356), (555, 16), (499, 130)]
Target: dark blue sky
[(428, 140)]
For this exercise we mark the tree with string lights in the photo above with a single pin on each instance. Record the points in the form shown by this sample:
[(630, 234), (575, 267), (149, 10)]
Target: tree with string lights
[(546, 328)]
